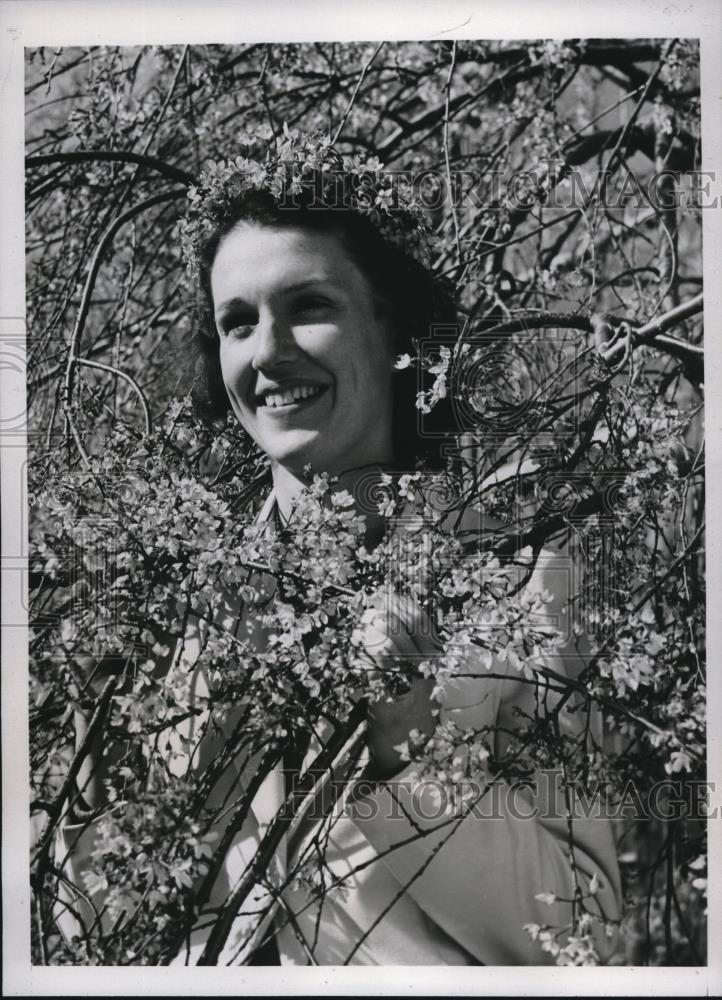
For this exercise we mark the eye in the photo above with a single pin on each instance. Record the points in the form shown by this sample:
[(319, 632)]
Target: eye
[(311, 304), (240, 330), (237, 326)]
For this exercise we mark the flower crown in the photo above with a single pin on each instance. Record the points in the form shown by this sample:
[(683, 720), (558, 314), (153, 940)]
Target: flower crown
[(305, 170)]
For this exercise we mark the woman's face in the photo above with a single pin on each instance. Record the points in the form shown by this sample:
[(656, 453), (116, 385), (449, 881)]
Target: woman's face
[(305, 355)]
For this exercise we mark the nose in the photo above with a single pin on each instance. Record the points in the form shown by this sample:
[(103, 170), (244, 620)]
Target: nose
[(274, 343)]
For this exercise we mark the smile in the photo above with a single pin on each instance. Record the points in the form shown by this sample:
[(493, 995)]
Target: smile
[(275, 398)]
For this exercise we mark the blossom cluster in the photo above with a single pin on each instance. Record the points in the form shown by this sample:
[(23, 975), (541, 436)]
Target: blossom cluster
[(306, 169)]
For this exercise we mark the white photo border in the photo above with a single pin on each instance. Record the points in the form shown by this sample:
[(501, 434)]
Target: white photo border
[(29, 23)]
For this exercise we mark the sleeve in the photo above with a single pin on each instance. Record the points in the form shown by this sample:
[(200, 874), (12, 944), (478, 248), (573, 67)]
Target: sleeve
[(80, 910), (79, 913), (478, 876)]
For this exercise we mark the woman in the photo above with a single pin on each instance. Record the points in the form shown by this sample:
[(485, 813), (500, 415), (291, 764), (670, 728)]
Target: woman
[(310, 308)]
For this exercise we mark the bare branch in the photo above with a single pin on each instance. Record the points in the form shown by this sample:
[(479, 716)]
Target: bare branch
[(113, 156)]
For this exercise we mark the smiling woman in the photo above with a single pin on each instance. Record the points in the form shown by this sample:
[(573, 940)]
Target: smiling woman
[(305, 350), (309, 307), (339, 299)]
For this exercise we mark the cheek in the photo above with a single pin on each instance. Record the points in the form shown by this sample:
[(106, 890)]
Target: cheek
[(380, 362), (235, 369), (380, 347), (372, 353)]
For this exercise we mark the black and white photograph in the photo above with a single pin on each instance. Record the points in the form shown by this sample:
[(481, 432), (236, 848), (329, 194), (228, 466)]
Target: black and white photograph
[(354, 498)]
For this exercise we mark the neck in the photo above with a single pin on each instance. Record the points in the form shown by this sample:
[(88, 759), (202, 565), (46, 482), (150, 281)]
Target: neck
[(359, 482), (286, 485)]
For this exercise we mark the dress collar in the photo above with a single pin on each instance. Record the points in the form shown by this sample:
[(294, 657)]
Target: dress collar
[(266, 511)]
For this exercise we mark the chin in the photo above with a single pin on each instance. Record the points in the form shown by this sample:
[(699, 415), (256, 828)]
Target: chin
[(297, 455), (299, 463)]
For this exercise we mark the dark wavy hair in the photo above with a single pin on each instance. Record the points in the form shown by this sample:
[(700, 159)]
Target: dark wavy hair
[(414, 300)]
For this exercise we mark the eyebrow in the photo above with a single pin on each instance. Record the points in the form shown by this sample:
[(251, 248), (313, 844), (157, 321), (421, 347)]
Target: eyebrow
[(236, 302)]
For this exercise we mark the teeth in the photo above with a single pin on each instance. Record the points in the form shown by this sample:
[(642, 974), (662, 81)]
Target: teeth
[(292, 395)]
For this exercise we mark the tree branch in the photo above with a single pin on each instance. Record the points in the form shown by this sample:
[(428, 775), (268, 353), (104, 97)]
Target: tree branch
[(105, 242), (131, 381), (304, 791), (113, 156)]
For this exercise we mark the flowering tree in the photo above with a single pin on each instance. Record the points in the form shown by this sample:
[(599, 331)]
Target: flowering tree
[(561, 182)]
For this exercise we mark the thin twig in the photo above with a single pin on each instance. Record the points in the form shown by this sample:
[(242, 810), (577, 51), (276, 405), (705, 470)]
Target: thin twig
[(447, 160), (356, 89), (306, 787), (113, 156), (54, 808), (166, 102), (131, 381), (631, 120), (104, 244)]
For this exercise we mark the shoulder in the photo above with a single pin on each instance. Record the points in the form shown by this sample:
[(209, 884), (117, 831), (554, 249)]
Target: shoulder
[(546, 578), (546, 574)]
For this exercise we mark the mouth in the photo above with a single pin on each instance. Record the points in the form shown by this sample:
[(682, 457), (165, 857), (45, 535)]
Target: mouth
[(292, 397)]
